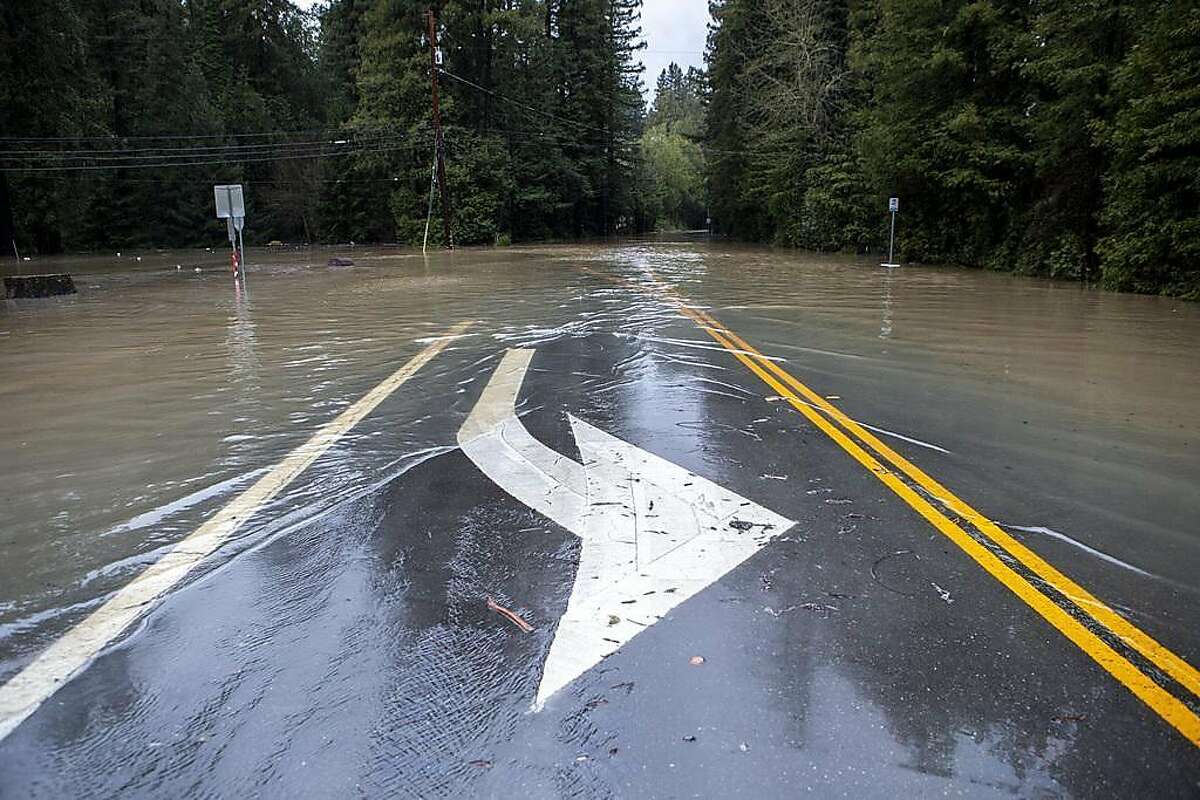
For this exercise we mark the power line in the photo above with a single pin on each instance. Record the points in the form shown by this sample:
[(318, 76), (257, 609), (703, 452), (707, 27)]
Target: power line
[(344, 137), (306, 150), (525, 106), (169, 136), (219, 162), (67, 159)]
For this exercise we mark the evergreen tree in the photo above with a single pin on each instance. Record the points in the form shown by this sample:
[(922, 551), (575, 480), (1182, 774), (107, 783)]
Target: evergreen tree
[(1073, 49), (46, 91), (679, 101), (1152, 214), (947, 128), (673, 158), (737, 204), (1048, 138)]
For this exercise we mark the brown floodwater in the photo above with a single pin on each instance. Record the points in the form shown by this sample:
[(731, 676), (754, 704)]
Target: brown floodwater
[(133, 409)]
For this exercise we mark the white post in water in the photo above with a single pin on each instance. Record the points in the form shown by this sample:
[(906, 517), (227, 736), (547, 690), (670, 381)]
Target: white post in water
[(893, 206), (231, 207)]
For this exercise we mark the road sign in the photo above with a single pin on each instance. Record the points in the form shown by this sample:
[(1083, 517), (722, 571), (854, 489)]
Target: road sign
[(230, 201), (653, 533), (893, 206), (231, 207)]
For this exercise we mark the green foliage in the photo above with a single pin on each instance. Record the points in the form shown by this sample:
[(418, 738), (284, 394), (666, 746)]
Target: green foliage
[(1152, 219), (541, 103), (737, 205), (946, 129), (1057, 138), (673, 191), (676, 167), (679, 101), (1054, 138), (478, 169), (830, 214), (113, 72)]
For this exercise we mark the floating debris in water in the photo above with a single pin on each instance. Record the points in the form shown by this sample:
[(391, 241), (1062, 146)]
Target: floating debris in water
[(509, 615)]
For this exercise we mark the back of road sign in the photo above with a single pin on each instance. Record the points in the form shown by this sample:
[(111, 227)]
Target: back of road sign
[(230, 202), (231, 207), (893, 204)]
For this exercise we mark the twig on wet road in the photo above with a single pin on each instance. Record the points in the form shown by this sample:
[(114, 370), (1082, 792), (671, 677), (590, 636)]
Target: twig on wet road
[(511, 616)]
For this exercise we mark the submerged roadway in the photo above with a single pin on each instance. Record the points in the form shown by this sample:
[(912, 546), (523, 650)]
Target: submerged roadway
[(663, 548)]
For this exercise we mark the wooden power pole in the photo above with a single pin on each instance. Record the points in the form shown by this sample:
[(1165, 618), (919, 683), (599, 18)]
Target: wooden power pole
[(439, 142)]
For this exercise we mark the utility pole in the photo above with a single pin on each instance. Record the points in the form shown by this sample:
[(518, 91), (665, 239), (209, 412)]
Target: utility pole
[(439, 143)]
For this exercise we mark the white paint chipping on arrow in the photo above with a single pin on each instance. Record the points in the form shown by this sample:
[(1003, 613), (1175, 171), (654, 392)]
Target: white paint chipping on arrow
[(653, 533)]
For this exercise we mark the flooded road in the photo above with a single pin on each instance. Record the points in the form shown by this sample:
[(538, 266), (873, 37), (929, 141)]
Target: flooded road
[(338, 640)]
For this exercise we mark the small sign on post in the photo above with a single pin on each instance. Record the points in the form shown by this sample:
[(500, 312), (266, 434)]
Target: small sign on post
[(893, 206), (231, 207)]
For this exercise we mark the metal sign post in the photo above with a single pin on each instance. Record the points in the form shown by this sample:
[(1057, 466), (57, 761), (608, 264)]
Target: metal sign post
[(893, 206), (231, 207)]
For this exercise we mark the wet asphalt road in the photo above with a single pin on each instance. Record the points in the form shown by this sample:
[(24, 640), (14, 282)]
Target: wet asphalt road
[(859, 654)]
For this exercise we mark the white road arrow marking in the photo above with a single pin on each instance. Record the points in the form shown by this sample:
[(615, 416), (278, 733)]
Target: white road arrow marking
[(653, 533)]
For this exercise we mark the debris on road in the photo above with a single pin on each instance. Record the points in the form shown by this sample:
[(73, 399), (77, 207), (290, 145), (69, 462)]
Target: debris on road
[(818, 607), (696, 661), (511, 616), (945, 595), (775, 477)]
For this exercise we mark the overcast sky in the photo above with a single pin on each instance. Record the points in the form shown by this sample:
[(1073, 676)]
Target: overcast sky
[(674, 31)]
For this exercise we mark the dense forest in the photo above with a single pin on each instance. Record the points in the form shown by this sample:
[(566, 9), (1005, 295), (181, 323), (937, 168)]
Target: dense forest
[(117, 116), (1052, 137), (1047, 137)]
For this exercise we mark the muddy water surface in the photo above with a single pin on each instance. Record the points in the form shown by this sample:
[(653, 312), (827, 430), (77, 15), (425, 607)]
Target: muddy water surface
[(136, 408)]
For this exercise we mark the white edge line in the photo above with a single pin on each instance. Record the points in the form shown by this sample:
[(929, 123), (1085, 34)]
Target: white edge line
[(55, 666)]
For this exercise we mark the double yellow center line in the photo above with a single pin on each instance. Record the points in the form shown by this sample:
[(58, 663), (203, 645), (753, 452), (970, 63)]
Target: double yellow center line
[(1126, 652)]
